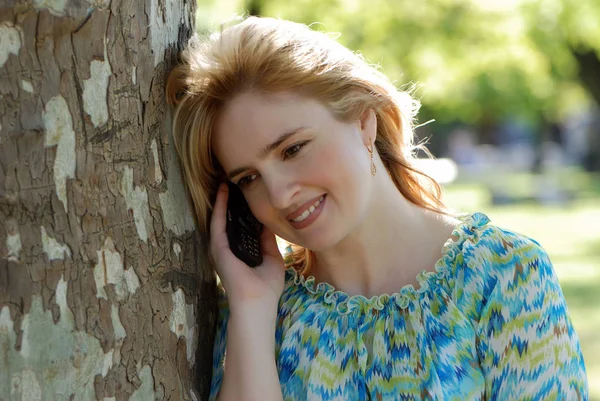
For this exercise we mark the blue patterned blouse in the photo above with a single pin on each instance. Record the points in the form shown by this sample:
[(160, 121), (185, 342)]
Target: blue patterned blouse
[(490, 323)]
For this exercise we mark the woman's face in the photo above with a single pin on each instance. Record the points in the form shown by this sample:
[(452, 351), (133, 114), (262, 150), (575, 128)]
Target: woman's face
[(305, 175)]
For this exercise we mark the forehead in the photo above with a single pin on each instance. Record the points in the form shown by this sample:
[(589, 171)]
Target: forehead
[(250, 121)]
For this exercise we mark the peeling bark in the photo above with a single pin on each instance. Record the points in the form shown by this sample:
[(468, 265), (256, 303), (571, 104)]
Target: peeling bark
[(100, 293)]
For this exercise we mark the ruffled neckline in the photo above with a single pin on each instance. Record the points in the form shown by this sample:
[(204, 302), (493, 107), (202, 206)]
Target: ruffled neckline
[(443, 268)]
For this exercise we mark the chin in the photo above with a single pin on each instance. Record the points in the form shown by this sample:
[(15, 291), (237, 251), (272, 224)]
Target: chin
[(319, 242)]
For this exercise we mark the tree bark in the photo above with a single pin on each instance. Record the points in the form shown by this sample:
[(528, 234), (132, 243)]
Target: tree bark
[(101, 296), (589, 67)]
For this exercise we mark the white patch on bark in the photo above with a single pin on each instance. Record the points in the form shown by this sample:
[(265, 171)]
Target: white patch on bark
[(158, 176), (136, 200), (131, 280), (52, 248), (71, 358), (177, 249), (101, 4), (165, 19), (120, 332), (6, 323), (15, 385), (174, 202), (107, 362), (30, 387), (13, 244), (27, 87), (95, 92), (146, 391), (117, 356), (109, 270), (59, 131), (61, 297), (10, 41), (183, 323), (56, 7), (134, 75)]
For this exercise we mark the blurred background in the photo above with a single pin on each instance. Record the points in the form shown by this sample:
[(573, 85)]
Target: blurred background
[(514, 89)]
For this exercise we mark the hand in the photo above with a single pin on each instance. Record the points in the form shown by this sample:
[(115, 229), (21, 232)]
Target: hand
[(245, 286)]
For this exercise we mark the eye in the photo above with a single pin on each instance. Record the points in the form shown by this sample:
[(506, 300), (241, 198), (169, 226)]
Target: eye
[(246, 180), (293, 150)]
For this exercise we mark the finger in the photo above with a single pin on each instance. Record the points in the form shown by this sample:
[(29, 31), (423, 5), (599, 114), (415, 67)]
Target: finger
[(269, 243), (219, 218)]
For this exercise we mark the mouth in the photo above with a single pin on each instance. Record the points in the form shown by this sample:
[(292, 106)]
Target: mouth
[(308, 213)]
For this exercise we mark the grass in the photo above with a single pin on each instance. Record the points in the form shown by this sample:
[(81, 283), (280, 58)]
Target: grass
[(570, 234)]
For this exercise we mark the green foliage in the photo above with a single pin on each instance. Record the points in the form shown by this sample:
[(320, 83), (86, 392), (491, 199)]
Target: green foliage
[(475, 60)]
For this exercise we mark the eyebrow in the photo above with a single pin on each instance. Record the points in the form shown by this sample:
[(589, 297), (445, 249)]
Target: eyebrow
[(268, 149)]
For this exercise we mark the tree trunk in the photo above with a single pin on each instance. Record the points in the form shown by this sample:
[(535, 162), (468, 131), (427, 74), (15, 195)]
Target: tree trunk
[(100, 293), (589, 67), (254, 7)]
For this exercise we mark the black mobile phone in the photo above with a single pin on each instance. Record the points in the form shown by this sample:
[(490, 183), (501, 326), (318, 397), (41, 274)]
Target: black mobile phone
[(243, 229)]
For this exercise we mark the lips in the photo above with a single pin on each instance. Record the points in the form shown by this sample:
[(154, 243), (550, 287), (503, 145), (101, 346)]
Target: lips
[(305, 206), (313, 216)]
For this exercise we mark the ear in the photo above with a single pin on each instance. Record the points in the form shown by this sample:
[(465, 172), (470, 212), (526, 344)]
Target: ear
[(368, 127)]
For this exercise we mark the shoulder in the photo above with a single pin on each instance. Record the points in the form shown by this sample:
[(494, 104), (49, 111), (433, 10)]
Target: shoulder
[(521, 318), (493, 250), (489, 259)]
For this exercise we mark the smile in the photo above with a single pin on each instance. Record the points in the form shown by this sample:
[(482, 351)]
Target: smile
[(309, 211)]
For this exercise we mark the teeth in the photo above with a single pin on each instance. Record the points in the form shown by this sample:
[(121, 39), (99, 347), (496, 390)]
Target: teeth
[(303, 215), (307, 212)]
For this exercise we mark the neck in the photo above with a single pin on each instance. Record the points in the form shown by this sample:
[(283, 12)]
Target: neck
[(395, 241)]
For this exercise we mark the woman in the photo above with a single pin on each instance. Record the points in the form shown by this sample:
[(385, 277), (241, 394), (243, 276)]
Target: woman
[(386, 296)]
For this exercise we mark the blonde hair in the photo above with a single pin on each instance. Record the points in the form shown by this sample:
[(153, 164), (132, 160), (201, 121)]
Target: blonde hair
[(268, 55)]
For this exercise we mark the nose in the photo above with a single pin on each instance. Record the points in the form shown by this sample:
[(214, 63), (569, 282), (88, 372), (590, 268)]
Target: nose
[(281, 188)]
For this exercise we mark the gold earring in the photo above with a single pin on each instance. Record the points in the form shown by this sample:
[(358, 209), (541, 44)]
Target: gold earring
[(373, 168)]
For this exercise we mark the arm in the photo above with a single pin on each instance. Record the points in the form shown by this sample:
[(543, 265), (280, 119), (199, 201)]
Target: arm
[(527, 347), (244, 352), (249, 371)]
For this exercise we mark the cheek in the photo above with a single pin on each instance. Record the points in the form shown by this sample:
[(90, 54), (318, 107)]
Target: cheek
[(340, 165), (321, 170), (259, 205), (333, 167)]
